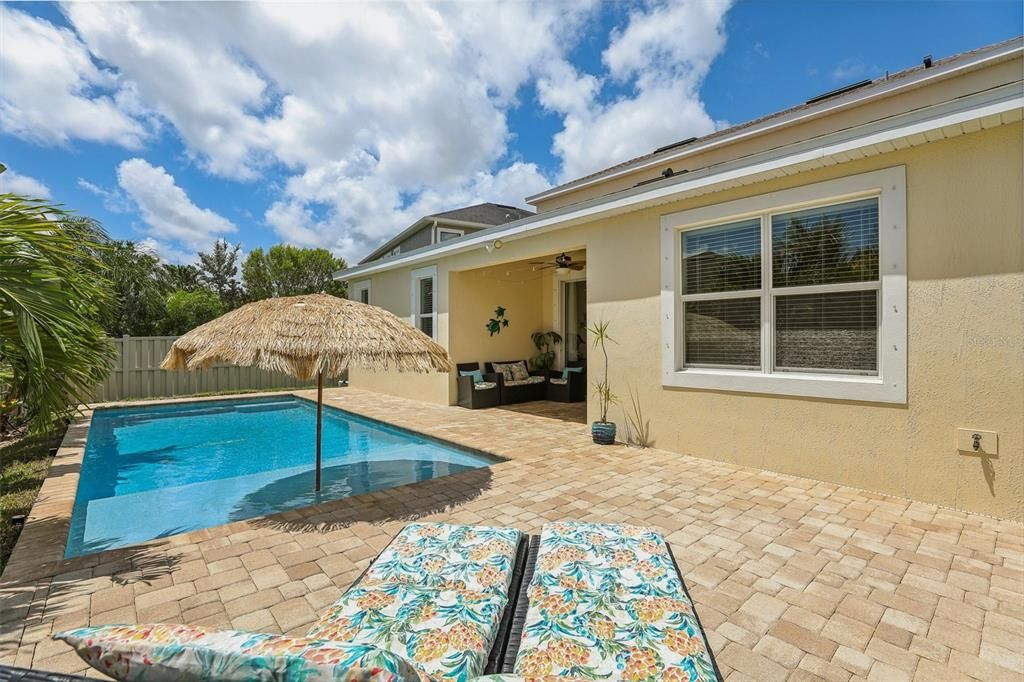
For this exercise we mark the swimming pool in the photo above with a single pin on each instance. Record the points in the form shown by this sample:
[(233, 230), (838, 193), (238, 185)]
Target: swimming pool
[(157, 470)]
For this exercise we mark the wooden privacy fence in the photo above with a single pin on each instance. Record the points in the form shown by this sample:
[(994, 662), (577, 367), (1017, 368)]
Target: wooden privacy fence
[(137, 374)]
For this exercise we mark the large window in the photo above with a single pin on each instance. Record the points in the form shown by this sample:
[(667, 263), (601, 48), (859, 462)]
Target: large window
[(791, 295), (424, 311)]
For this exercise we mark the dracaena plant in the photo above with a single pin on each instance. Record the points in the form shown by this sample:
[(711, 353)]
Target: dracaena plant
[(605, 396)]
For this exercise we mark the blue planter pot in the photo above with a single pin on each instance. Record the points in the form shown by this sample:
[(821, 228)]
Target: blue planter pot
[(603, 432)]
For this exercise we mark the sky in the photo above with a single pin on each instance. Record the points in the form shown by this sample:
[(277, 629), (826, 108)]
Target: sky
[(338, 125)]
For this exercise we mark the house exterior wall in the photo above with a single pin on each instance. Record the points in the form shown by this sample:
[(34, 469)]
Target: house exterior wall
[(965, 272), (425, 237), (418, 239)]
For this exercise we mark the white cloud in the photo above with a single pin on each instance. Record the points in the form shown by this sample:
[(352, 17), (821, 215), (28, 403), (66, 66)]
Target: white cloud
[(249, 84), (114, 200), (53, 91), (170, 216), (375, 112), (166, 251), (359, 211), (662, 55), (25, 185)]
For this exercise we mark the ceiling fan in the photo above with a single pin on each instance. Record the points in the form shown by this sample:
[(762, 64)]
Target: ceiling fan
[(562, 264)]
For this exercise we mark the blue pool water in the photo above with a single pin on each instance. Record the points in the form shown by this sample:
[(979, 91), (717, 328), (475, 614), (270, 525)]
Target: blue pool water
[(157, 470)]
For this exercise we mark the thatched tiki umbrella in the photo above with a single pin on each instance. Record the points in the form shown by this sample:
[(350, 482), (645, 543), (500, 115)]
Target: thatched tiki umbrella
[(307, 336)]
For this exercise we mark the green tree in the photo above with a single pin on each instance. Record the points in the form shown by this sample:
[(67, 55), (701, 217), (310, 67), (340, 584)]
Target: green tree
[(52, 348), (180, 277), (187, 310), (138, 307), (286, 270), (218, 269)]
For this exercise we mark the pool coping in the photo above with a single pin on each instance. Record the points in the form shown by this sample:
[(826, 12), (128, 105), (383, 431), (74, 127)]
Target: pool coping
[(39, 551)]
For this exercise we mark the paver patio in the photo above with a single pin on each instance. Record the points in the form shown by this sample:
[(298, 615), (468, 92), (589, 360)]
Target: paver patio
[(793, 579)]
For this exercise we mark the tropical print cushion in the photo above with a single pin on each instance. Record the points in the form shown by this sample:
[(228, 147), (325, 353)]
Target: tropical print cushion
[(524, 382), (519, 371), (484, 385), (445, 633), (184, 652), (558, 382), (504, 369), (606, 603), (435, 595), (461, 557)]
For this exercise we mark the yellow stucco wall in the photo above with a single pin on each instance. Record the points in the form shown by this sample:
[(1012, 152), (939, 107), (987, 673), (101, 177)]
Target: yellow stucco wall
[(965, 353), (475, 294)]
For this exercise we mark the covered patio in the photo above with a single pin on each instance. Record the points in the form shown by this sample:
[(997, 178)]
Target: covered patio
[(792, 578), (496, 312)]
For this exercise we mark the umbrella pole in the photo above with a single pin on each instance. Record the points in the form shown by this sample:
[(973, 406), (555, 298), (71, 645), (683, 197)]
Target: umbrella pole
[(319, 422)]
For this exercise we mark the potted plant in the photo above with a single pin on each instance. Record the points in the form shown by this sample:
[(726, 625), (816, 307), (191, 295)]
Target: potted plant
[(545, 343), (603, 431)]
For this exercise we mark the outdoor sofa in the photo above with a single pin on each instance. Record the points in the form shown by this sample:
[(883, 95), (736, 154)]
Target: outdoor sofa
[(529, 385), (457, 603)]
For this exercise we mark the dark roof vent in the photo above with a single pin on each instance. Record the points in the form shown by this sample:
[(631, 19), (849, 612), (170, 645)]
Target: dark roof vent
[(839, 91), (927, 61), (665, 175), (681, 143)]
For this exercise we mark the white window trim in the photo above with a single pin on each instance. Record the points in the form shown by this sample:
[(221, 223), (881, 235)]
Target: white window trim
[(429, 272), (890, 385), (448, 230), (358, 288)]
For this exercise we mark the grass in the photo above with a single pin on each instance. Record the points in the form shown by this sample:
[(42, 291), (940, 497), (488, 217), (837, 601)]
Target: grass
[(23, 465)]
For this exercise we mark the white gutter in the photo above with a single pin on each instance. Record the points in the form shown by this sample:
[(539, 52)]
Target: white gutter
[(973, 107), (830, 106)]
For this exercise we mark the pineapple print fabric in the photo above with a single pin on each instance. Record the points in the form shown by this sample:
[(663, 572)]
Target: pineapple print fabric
[(185, 652), (606, 603), (435, 596)]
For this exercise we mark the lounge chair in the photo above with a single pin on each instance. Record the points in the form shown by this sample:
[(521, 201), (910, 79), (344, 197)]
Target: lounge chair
[(432, 606), (594, 602), (607, 602)]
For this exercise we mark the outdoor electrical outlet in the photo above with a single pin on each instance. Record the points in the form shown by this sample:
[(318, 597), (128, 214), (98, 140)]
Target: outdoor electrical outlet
[(975, 441)]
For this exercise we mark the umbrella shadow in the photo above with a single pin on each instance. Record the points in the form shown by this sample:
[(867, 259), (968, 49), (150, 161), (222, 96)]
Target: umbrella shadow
[(354, 493)]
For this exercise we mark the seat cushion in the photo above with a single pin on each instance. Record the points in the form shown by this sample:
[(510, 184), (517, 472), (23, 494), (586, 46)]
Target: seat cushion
[(435, 595), (607, 603), (484, 385), (476, 558), (446, 633), (558, 382), (525, 382), (190, 653), (478, 377), (519, 371)]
